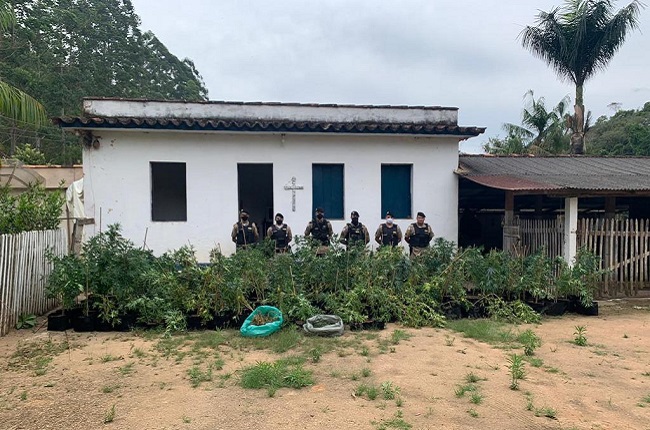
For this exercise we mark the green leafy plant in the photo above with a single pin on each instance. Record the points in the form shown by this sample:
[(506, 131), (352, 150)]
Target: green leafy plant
[(579, 335), (530, 341), (26, 321), (389, 390), (516, 367), (109, 416)]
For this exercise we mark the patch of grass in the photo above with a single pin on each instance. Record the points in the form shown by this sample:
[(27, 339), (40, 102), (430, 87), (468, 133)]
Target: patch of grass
[(106, 389), (460, 390), (138, 353), (186, 420), (396, 422), (364, 351), (646, 398), (473, 413), (127, 369), (389, 390), (484, 330), (23, 396), (276, 375), (107, 358), (476, 398), (535, 362), (399, 335), (109, 416), (645, 374), (197, 376), (552, 370), (366, 372), (218, 363), (471, 378), (545, 412), (36, 355), (449, 340), (315, 354), (399, 402)]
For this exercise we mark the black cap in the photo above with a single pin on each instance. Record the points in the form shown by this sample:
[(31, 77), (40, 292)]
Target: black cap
[(422, 214), (354, 213), (320, 210), (279, 215), (389, 214), (243, 211)]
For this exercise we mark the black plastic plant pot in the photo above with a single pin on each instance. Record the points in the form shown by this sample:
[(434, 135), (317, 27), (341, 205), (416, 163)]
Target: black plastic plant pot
[(587, 310), (84, 323), (58, 321), (193, 322), (556, 308)]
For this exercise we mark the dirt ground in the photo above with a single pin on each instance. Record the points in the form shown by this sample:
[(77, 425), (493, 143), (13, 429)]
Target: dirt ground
[(124, 379)]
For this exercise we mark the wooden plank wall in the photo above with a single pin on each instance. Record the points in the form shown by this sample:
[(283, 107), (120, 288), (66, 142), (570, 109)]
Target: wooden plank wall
[(23, 273), (624, 250), (545, 235)]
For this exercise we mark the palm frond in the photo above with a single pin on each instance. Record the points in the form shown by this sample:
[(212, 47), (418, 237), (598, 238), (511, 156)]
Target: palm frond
[(20, 106)]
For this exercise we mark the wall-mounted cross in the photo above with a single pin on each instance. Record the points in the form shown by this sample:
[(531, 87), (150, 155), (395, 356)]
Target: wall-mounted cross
[(293, 187)]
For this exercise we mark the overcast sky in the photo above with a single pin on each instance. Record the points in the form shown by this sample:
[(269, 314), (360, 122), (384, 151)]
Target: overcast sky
[(462, 53)]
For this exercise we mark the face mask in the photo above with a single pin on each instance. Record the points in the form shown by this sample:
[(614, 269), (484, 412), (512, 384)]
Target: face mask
[(389, 221), (278, 221), (244, 217), (319, 216), (355, 221)]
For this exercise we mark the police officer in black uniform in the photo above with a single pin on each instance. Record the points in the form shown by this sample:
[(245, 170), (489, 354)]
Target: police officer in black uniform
[(418, 235), (320, 229), (280, 233), (354, 232), (244, 233), (388, 233)]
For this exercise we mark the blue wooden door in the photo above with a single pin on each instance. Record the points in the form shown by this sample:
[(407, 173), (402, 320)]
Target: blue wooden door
[(327, 185), (396, 190)]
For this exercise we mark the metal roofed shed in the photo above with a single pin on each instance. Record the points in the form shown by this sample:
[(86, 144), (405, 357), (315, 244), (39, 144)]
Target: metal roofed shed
[(558, 204)]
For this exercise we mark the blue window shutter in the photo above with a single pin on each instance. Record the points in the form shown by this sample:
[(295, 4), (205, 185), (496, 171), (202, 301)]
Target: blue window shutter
[(396, 190), (327, 186)]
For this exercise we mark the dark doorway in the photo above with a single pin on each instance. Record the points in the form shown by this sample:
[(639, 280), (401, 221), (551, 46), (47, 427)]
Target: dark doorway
[(255, 188)]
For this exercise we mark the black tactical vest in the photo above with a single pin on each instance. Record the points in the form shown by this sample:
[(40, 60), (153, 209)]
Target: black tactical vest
[(355, 233), (245, 234), (279, 235), (421, 237), (320, 232), (389, 235)]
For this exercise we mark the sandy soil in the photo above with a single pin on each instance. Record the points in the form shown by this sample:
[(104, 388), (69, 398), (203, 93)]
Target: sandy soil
[(604, 385)]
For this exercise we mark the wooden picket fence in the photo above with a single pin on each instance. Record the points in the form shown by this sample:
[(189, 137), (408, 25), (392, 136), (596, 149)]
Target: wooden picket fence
[(624, 250), (545, 235), (23, 273)]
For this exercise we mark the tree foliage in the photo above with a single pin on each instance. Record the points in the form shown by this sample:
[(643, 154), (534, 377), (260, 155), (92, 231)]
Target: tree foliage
[(35, 209), (577, 41), (63, 50), (542, 131), (625, 133)]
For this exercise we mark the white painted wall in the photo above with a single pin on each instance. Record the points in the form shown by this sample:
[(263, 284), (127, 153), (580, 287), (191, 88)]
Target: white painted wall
[(117, 181)]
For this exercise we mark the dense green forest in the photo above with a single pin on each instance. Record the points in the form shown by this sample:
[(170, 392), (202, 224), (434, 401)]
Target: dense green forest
[(625, 133), (60, 51)]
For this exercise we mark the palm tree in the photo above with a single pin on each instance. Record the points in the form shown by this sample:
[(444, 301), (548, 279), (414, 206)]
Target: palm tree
[(14, 103), (541, 129), (577, 41)]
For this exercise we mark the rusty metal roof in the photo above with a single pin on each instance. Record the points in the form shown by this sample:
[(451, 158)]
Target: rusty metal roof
[(281, 126), (565, 173)]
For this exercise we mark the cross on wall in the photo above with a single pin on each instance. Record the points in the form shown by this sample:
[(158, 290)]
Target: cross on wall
[(293, 187)]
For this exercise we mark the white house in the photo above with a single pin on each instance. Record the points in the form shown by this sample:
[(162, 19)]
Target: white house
[(178, 172)]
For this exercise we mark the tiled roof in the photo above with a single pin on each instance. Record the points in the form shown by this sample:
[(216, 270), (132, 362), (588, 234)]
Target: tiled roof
[(533, 173), (277, 126)]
